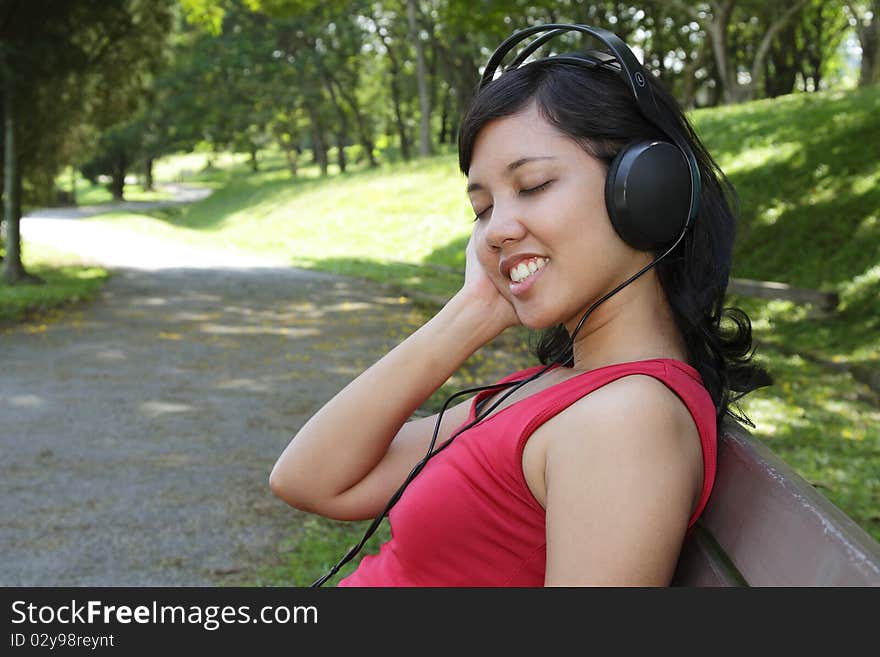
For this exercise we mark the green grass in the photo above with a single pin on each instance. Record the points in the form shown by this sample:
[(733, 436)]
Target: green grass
[(100, 195), (89, 193), (314, 548), (362, 222), (64, 283), (807, 172)]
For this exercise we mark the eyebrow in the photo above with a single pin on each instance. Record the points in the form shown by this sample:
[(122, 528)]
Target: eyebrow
[(512, 167)]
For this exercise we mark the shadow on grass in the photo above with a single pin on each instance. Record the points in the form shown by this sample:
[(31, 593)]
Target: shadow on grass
[(808, 218), (62, 286)]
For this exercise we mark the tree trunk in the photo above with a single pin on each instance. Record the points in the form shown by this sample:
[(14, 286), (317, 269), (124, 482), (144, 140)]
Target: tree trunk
[(340, 151), (364, 133), (445, 128), (869, 38), (421, 77), (787, 76), (814, 56), (148, 174), (747, 92), (73, 185), (869, 72), (781, 64), (255, 165), (716, 26), (319, 144), (689, 79), (399, 123), (117, 182), (2, 175), (717, 30), (366, 140), (291, 153), (342, 135), (13, 271)]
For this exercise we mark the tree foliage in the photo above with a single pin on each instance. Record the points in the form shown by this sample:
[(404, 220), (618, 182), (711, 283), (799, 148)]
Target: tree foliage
[(67, 65), (110, 86)]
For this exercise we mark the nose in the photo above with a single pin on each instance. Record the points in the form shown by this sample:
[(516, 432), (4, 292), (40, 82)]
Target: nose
[(503, 225)]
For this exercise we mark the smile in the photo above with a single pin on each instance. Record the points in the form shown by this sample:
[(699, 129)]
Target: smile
[(526, 268)]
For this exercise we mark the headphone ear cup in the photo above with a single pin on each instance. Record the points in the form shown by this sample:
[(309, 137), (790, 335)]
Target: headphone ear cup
[(647, 194)]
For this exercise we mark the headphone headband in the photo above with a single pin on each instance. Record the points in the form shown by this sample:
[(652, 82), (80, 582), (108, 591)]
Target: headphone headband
[(623, 62)]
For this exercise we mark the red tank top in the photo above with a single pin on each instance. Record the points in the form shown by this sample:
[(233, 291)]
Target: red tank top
[(469, 518)]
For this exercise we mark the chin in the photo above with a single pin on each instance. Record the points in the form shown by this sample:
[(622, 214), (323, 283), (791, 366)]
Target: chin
[(537, 322)]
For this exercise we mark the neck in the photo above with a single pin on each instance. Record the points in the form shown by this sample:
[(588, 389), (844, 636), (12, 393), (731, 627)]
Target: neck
[(634, 324)]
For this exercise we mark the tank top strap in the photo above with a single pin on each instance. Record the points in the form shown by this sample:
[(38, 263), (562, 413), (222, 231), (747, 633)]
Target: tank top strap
[(550, 401), (678, 376), (513, 378)]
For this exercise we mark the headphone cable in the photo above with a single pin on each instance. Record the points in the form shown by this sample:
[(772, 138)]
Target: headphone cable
[(479, 417)]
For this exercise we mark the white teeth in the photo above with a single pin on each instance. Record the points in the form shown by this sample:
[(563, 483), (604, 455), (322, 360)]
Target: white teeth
[(526, 268)]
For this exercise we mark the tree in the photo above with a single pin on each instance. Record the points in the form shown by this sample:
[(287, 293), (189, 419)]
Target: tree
[(866, 15), (117, 150), (421, 75), (718, 20), (67, 64), (394, 45), (314, 74)]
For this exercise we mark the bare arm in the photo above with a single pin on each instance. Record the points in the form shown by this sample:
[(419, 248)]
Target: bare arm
[(350, 457), (620, 493)]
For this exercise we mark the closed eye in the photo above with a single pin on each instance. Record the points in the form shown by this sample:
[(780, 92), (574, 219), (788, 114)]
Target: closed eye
[(533, 190), (479, 215), (526, 192)]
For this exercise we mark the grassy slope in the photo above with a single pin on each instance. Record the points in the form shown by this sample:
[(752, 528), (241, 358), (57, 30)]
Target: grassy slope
[(806, 170)]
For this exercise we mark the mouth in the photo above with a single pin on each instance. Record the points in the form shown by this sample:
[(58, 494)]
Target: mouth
[(525, 272), (526, 268)]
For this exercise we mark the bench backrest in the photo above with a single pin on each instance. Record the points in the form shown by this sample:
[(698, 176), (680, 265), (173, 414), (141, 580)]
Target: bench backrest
[(765, 525)]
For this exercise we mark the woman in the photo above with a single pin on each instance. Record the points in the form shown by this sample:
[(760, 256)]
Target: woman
[(593, 469)]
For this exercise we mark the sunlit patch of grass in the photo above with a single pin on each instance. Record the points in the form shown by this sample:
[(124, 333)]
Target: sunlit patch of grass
[(65, 282), (759, 156), (826, 425)]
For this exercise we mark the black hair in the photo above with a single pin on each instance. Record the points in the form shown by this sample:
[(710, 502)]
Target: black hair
[(600, 113)]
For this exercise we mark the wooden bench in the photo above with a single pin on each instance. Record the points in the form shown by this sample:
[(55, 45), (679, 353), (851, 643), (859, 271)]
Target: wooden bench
[(765, 525), (824, 303)]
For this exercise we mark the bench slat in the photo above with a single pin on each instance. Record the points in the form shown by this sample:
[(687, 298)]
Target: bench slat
[(703, 563), (779, 530)]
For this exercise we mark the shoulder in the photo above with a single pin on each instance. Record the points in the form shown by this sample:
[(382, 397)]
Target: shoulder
[(634, 425), (623, 474), (638, 402)]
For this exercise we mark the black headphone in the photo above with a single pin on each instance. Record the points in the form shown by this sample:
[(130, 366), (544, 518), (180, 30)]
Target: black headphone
[(651, 193), (652, 187)]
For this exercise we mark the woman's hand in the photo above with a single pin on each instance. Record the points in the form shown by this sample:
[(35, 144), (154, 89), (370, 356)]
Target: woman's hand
[(480, 291), (368, 465)]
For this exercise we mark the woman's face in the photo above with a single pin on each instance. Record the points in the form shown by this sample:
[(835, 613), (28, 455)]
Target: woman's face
[(543, 235)]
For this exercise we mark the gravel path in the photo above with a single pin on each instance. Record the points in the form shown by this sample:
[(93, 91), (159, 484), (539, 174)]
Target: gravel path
[(138, 433)]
